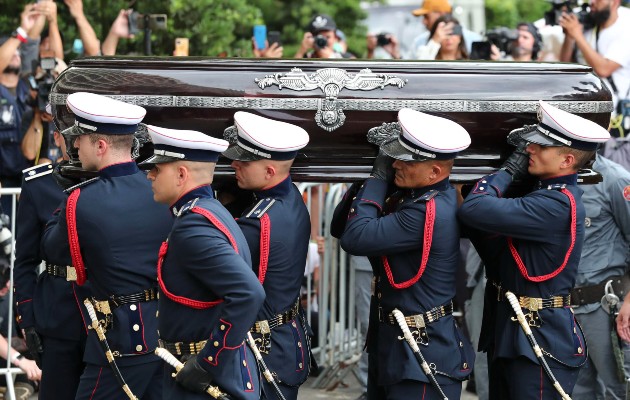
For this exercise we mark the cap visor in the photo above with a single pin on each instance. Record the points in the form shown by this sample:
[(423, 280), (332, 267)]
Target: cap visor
[(75, 131), (236, 152), (156, 159), (419, 11), (394, 149), (536, 137)]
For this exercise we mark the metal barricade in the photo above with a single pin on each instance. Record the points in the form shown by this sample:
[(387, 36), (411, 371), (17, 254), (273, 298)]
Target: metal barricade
[(340, 343), (8, 371)]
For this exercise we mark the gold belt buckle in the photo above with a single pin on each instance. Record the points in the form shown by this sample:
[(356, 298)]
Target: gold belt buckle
[(418, 321), (264, 340), (102, 307), (71, 273)]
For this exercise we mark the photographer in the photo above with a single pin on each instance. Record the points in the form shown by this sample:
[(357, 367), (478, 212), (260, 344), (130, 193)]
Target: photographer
[(321, 40), (39, 120), (527, 45), (447, 41), (603, 47), (383, 46), (430, 11)]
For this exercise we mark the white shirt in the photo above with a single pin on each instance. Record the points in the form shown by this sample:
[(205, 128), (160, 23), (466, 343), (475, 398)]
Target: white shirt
[(613, 45)]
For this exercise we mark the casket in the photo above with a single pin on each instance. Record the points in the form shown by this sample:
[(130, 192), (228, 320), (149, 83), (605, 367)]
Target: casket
[(339, 101)]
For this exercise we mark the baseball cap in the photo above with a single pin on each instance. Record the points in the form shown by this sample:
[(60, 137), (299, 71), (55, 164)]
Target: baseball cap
[(432, 6)]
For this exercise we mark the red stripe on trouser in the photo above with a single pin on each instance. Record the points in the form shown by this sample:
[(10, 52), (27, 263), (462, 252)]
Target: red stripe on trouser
[(97, 381)]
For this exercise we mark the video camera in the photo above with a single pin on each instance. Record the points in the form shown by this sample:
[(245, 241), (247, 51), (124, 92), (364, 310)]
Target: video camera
[(501, 37), (559, 6), (43, 80), (139, 21)]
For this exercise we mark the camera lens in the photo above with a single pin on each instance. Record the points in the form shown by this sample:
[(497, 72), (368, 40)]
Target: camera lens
[(321, 41)]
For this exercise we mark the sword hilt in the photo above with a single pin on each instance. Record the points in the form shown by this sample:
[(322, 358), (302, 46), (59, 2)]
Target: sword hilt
[(169, 358), (400, 319)]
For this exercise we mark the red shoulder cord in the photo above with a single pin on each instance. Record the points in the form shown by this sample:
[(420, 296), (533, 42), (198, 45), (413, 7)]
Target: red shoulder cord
[(542, 278), (426, 249), (265, 233), (199, 305), (73, 236)]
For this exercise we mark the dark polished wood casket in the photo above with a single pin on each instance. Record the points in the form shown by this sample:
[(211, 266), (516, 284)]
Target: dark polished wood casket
[(339, 101)]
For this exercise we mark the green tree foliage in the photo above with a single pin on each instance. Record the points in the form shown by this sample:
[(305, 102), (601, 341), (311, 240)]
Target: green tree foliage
[(214, 27), (510, 12)]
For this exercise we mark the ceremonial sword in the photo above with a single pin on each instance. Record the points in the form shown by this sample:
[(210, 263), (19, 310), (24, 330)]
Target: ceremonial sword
[(400, 318), (267, 374), (108, 352), (532, 340), (170, 359)]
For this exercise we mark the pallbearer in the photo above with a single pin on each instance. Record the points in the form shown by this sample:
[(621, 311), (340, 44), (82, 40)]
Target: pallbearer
[(209, 295), (277, 228), (412, 240), (113, 231), (531, 246)]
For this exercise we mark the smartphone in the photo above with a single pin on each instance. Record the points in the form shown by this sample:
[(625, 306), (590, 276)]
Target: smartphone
[(274, 37), (457, 30), (480, 50), (181, 47), (136, 22), (260, 36)]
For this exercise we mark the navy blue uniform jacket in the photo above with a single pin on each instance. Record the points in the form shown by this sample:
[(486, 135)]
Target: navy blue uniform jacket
[(120, 229), (394, 232), (540, 225), (208, 291), (49, 303), (279, 219)]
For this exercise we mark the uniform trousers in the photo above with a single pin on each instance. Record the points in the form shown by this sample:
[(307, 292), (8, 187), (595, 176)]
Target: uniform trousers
[(144, 380), (62, 366), (598, 379), (522, 379), (409, 389), (268, 392)]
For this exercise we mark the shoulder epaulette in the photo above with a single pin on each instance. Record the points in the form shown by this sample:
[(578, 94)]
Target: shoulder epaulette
[(80, 185), (556, 186), (427, 196), (187, 207), (37, 171), (261, 208)]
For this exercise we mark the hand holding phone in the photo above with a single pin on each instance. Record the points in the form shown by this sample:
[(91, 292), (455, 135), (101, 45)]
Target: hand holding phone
[(274, 37), (260, 36), (181, 47)]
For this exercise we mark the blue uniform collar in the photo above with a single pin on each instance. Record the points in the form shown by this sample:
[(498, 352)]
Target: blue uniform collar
[(280, 189), (570, 179), (440, 186), (199, 191), (122, 169)]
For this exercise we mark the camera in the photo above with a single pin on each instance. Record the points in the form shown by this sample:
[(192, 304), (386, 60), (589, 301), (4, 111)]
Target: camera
[(383, 39), (43, 81), (552, 16), (502, 37), (139, 21), (321, 41)]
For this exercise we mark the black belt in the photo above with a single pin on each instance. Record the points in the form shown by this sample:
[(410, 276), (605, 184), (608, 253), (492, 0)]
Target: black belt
[(535, 303), (594, 293), (265, 326), (68, 272), (182, 348), (106, 306), (418, 320)]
